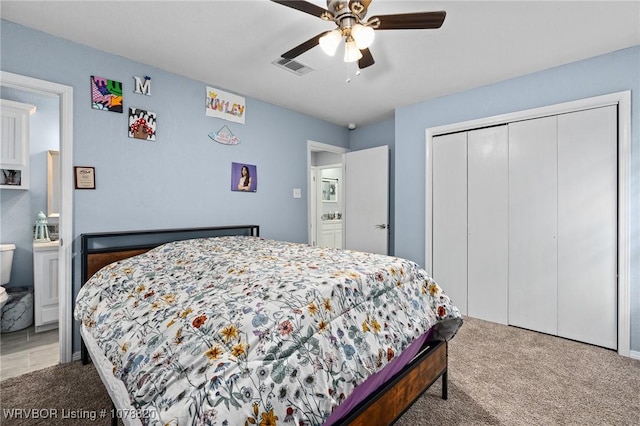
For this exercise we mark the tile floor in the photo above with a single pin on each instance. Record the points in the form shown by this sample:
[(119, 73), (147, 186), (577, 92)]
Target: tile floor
[(25, 350)]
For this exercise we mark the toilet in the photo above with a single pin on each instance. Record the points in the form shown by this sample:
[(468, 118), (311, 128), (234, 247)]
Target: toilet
[(6, 259)]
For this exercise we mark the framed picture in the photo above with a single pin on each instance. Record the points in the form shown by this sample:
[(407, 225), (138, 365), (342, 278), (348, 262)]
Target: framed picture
[(244, 177), (106, 95), (85, 177), (329, 190), (11, 177), (142, 124)]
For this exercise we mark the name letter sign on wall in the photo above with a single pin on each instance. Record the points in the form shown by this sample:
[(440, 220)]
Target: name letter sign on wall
[(225, 105), (144, 88)]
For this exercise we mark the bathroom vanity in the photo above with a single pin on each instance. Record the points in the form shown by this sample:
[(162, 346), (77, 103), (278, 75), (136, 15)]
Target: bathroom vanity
[(45, 277), (331, 233)]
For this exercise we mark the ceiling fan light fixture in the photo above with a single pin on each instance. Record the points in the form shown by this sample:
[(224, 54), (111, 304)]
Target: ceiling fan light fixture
[(330, 42), (363, 35), (351, 51)]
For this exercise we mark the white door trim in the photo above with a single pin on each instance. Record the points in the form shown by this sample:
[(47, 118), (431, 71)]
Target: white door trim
[(65, 283), (623, 101), (313, 146)]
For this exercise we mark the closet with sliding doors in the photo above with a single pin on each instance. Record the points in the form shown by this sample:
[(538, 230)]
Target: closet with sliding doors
[(525, 223)]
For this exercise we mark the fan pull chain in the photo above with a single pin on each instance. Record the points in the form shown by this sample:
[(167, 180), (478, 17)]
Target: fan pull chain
[(357, 73)]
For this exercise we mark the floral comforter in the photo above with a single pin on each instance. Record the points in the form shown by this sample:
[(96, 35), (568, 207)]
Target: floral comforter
[(246, 330)]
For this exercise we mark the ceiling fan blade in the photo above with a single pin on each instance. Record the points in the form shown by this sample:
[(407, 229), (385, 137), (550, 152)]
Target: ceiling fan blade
[(366, 60), (410, 21), (304, 6), (365, 4), (303, 47)]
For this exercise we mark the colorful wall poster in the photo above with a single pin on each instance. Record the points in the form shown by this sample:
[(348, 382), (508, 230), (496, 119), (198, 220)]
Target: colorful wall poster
[(142, 124), (106, 94), (225, 105)]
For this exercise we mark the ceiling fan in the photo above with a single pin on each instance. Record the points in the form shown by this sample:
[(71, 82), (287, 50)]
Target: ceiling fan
[(358, 33)]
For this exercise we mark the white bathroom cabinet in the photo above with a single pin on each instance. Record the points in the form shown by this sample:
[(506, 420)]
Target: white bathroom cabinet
[(45, 275), (331, 234), (14, 144)]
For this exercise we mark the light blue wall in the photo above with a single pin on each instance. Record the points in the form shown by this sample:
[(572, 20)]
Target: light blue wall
[(18, 208), (614, 72), (183, 179)]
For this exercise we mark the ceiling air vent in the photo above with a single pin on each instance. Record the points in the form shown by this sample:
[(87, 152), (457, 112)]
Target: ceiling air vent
[(293, 66)]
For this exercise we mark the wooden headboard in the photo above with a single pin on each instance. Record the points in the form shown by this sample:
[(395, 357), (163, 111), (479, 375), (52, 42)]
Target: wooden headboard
[(100, 249)]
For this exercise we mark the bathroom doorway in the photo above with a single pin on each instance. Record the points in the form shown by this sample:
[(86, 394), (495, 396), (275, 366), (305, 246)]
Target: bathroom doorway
[(326, 194), (64, 96)]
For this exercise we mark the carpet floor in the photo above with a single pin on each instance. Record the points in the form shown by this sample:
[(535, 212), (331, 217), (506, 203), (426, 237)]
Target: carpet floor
[(498, 375)]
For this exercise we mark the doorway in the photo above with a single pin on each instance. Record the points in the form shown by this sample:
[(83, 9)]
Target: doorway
[(65, 291), (324, 159)]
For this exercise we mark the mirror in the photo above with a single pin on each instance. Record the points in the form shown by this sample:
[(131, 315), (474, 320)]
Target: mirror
[(53, 183)]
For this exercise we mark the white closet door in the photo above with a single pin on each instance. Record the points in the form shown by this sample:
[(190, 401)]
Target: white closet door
[(533, 208), (450, 216), (587, 197), (488, 223)]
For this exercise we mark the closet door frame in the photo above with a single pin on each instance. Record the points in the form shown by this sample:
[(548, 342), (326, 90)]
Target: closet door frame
[(623, 102)]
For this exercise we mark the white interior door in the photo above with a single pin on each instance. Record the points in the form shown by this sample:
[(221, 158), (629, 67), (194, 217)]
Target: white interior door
[(488, 223), (367, 200), (533, 224), (587, 226), (449, 267)]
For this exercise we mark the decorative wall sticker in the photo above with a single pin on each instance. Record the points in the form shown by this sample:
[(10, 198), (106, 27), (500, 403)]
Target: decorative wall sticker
[(142, 124), (106, 94), (143, 88), (225, 136), (225, 105), (244, 177)]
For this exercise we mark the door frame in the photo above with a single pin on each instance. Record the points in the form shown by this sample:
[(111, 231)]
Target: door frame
[(65, 283), (313, 146), (316, 201), (623, 102)]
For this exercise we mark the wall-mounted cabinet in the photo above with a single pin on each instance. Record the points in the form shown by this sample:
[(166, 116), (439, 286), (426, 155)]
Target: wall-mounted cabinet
[(53, 183), (14, 144)]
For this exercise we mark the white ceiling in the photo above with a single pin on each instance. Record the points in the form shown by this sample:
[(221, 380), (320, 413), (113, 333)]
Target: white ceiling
[(231, 44)]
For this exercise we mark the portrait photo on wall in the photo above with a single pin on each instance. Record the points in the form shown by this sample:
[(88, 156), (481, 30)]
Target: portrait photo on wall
[(244, 177)]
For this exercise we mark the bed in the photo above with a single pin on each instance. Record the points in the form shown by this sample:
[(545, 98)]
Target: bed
[(220, 326)]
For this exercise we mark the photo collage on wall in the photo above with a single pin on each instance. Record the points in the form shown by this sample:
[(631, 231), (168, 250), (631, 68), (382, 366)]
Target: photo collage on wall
[(107, 95)]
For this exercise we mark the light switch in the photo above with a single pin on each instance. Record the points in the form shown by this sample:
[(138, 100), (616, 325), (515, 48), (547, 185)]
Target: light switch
[(297, 193)]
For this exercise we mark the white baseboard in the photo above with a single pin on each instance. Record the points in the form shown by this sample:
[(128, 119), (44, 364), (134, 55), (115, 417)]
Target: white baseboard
[(634, 355)]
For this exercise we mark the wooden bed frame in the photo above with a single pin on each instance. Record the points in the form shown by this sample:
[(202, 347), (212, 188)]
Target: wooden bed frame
[(384, 406)]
